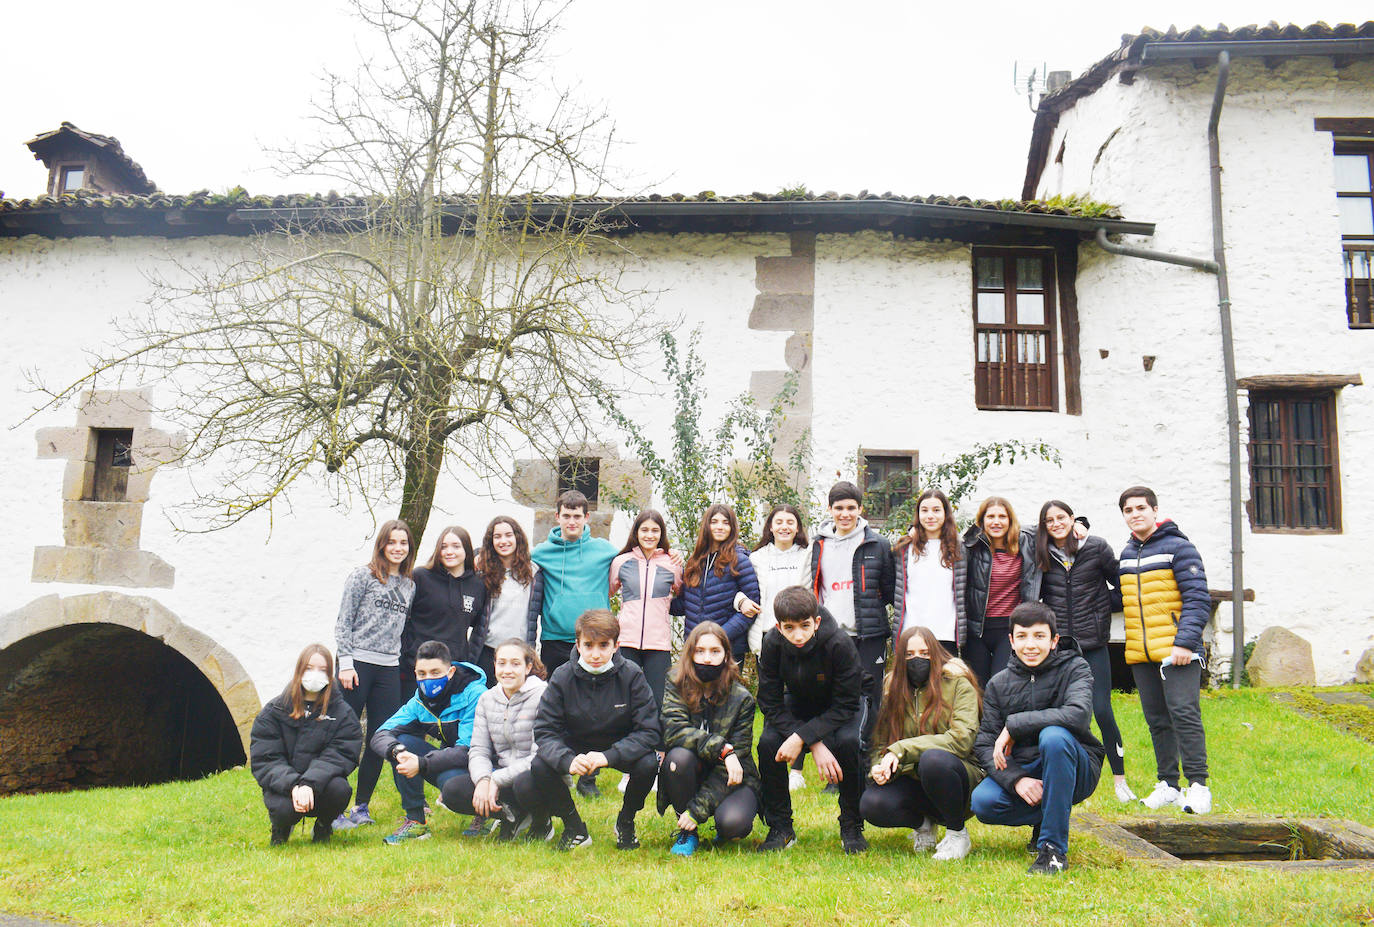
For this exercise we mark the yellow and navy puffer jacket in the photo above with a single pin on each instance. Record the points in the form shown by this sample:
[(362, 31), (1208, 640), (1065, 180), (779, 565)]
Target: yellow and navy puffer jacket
[(1164, 595)]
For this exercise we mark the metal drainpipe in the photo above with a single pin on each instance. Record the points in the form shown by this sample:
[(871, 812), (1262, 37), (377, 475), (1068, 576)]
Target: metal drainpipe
[(1216, 266)]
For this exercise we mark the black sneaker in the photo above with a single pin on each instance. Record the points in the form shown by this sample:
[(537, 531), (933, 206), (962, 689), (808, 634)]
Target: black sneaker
[(540, 831), (586, 787), (509, 829), (625, 838), (573, 840), (1049, 862), (831, 788), (280, 835), (779, 838), (323, 831), (852, 839)]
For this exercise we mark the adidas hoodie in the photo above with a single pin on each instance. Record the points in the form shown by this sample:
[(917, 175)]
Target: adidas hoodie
[(371, 617)]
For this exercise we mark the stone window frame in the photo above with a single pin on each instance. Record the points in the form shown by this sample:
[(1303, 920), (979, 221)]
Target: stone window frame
[(865, 453), (1284, 400), (1007, 385)]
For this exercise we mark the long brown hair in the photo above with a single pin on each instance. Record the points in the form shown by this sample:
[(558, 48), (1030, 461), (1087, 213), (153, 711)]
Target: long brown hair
[(493, 568), (689, 684), (899, 699), (653, 515), (379, 565), (706, 545), (1013, 526), (950, 548), (436, 563), (295, 695), (766, 536), (1043, 541)]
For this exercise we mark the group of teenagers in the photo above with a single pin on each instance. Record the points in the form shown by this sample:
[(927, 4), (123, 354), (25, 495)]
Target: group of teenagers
[(937, 679)]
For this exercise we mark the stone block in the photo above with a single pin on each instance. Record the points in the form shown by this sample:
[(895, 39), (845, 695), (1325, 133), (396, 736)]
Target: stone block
[(118, 408), (804, 245), (1281, 658), (765, 385), (534, 483), (68, 443), (599, 523), (112, 525), (243, 702), (133, 568), (785, 274), (797, 352), (63, 565), (153, 448), (1364, 669), (39, 615), (545, 520), (88, 609), (139, 484), (627, 478), (786, 312), (78, 480)]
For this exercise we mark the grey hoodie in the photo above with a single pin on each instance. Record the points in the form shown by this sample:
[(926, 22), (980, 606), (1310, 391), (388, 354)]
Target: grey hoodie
[(503, 733), (370, 620), (837, 572)]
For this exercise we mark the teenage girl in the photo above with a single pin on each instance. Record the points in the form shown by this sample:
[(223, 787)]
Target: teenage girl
[(1002, 574), (932, 573), (450, 606), (708, 725), (924, 770), (719, 583), (647, 579), (303, 745), (1079, 577), (780, 560), (376, 599), (513, 582)]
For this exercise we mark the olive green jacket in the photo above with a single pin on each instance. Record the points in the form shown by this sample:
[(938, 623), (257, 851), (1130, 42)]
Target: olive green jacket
[(957, 738)]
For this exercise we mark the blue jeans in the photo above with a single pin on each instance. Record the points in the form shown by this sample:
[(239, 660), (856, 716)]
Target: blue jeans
[(413, 790), (1069, 776)]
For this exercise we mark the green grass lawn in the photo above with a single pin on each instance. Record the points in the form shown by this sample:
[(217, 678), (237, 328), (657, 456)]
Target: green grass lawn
[(196, 853)]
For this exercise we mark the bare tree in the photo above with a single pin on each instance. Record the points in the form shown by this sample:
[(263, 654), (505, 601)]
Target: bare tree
[(461, 305)]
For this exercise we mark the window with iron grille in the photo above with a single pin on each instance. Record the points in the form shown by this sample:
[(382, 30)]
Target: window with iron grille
[(1294, 471), (1355, 199), (1013, 329)]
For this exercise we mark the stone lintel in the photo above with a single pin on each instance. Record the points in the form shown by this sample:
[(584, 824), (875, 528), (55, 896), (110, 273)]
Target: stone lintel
[(96, 567), (117, 408)]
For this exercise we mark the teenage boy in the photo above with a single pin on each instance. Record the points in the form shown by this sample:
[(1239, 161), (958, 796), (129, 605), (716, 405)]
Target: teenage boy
[(442, 709), (1166, 606), (854, 579), (596, 711), (810, 693), (1035, 739)]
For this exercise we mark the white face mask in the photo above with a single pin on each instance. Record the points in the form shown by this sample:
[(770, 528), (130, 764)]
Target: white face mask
[(595, 670), (314, 680)]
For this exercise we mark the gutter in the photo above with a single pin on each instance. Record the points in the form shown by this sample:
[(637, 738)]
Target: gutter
[(1217, 266)]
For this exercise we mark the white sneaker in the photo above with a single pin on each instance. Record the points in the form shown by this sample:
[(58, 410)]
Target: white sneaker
[(923, 837), (955, 845), (1196, 799), (795, 780), (1163, 795), (1123, 791)]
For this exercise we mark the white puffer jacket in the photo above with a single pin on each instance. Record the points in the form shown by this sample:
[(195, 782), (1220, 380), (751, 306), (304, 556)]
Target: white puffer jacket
[(776, 570), (503, 733)]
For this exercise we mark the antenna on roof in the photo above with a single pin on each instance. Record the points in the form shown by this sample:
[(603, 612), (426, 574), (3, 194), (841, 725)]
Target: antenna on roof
[(1036, 80)]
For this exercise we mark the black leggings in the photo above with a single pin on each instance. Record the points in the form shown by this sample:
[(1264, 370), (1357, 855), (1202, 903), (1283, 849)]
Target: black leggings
[(680, 777), (543, 792), (939, 790), (378, 690), (987, 654), (330, 802), (1100, 662), (655, 666)]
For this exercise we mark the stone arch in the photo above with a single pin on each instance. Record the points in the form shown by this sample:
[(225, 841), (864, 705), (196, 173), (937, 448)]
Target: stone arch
[(112, 689)]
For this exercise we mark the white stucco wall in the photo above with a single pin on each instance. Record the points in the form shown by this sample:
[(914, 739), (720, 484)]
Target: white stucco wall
[(1283, 255)]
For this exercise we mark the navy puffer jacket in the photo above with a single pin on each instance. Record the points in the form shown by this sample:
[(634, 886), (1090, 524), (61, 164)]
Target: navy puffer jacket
[(713, 599), (1084, 595)]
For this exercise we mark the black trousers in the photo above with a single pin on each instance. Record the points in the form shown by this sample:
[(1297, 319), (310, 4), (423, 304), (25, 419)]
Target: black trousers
[(378, 690), (939, 790), (777, 800), (487, 661), (542, 791), (655, 666), (680, 777), (987, 653), (872, 658), (330, 802), (1100, 661), (554, 654)]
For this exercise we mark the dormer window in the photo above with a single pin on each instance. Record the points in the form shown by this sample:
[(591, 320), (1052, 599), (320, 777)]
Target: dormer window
[(73, 178)]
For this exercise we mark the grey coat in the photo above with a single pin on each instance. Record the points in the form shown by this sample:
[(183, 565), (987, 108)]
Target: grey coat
[(503, 733)]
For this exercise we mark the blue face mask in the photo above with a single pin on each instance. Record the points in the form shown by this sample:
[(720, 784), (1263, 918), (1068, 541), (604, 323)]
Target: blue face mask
[(432, 688)]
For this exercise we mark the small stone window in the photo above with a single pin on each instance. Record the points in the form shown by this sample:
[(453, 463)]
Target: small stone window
[(888, 480), (582, 474), (113, 460)]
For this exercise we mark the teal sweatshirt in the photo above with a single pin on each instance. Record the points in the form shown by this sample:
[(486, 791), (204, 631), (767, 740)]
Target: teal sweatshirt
[(577, 577)]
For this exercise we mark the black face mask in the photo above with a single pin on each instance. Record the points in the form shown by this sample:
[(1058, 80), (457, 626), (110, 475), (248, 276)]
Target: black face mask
[(917, 672), (708, 672)]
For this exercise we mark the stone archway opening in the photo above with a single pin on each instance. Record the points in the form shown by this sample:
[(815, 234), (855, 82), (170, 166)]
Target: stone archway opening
[(97, 704)]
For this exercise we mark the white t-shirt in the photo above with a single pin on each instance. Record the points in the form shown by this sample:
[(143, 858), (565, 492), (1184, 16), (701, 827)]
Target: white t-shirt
[(929, 592)]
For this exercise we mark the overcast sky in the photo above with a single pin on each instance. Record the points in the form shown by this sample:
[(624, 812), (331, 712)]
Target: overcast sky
[(727, 95)]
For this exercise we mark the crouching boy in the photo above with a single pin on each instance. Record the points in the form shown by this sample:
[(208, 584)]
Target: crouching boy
[(1035, 741), (810, 692), (597, 711), (442, 709)]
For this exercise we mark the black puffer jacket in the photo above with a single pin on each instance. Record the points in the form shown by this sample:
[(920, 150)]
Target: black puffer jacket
[(1027, 700), (1084, 595), (874, 580), (959, 590), (813, 690), (285, 752), (706, 732), (613, 714), (978, 556)]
